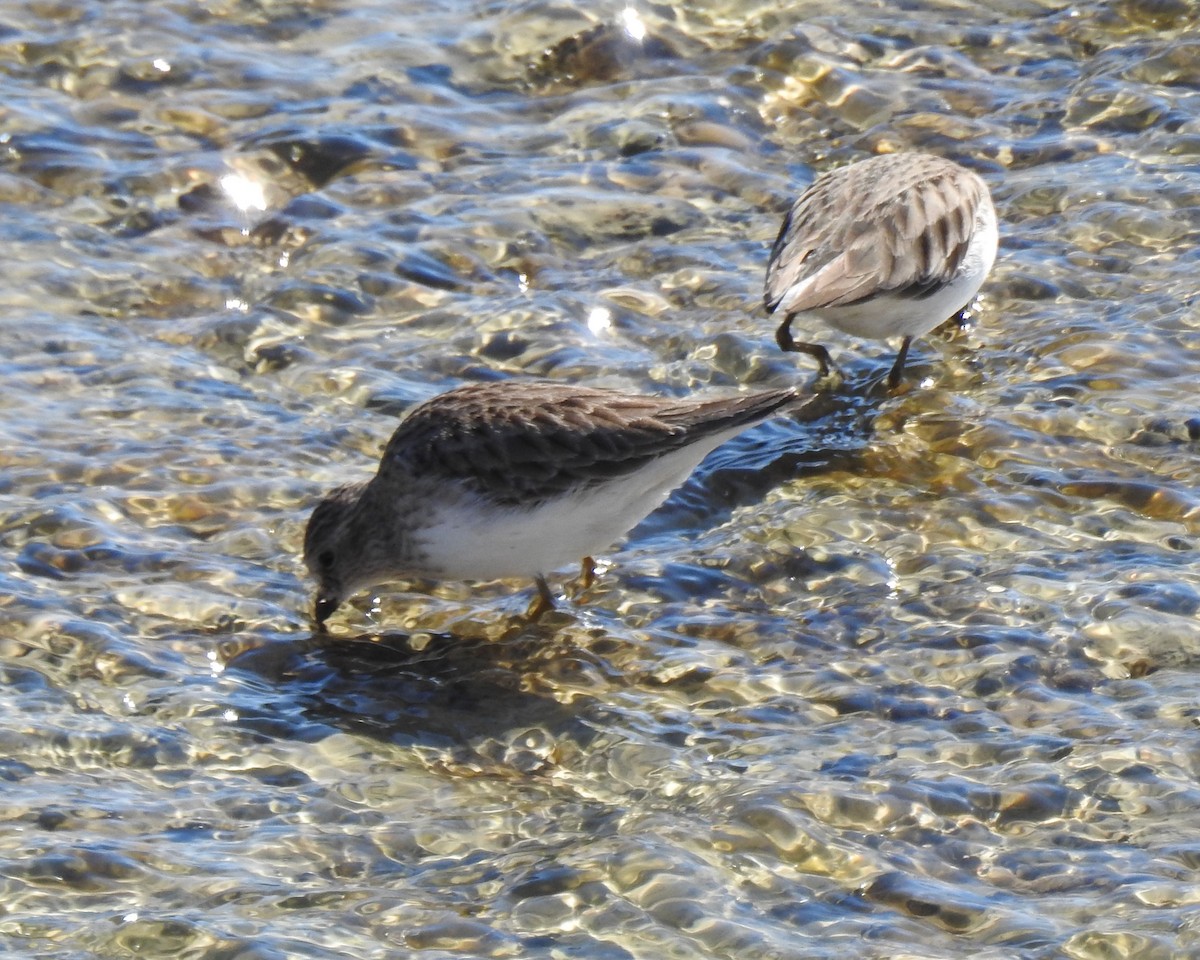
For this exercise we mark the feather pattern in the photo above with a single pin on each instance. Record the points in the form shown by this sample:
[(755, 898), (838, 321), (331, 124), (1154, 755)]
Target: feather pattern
[(897, 225), (519, 443)]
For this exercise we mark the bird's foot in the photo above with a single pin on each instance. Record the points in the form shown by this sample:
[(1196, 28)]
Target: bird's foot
[(888, 386), (587, 572), (829, 380), (829, 377)]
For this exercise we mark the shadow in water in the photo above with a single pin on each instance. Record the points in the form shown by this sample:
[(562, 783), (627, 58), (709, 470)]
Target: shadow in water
[(473, 697)]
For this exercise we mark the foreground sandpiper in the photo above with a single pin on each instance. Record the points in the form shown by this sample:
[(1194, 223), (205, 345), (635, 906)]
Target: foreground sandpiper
[(887, 247), (514, 479)]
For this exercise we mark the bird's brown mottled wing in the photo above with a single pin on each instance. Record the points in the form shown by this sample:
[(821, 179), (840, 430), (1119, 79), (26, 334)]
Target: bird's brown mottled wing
[(897, 224), (524, 441)]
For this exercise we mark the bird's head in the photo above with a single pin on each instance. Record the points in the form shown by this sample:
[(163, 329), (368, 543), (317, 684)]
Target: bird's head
[(328, 549)]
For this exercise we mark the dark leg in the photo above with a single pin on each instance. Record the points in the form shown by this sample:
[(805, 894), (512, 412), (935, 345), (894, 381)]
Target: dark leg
[(898, 366), (783, 337), (544, 602)]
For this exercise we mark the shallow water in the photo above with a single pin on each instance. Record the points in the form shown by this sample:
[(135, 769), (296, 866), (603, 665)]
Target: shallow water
[(913, 678)]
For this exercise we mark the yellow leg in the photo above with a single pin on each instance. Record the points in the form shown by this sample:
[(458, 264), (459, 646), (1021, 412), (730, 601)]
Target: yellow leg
[(543, 603)]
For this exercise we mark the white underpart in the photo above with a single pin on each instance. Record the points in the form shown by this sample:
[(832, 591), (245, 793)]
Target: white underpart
[(887, 315), (476, 541)]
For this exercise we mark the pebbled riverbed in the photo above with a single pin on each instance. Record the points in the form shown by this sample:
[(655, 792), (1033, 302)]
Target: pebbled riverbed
[(908, 676)]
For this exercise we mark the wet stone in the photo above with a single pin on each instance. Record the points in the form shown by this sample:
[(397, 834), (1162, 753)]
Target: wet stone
[(461, 935), (318, 158), (948, 907), (428, 270), (1161, 14), (318, 303), (547, 882), (602, 53)]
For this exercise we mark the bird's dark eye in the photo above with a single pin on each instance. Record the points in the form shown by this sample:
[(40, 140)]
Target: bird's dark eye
[(325, 559)]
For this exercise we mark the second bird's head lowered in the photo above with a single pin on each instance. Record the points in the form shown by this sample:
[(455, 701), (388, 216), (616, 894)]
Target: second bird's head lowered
[(331, 550)]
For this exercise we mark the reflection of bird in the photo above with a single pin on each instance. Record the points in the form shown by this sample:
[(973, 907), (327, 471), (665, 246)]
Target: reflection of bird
[(514, 479), (886, 247)]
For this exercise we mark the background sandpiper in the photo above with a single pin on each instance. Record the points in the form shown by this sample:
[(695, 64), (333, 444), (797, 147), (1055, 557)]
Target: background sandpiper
[(514, 479), (887, 247)]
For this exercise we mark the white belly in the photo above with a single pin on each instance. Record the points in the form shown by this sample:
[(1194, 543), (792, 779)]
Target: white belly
[(474, 540)]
